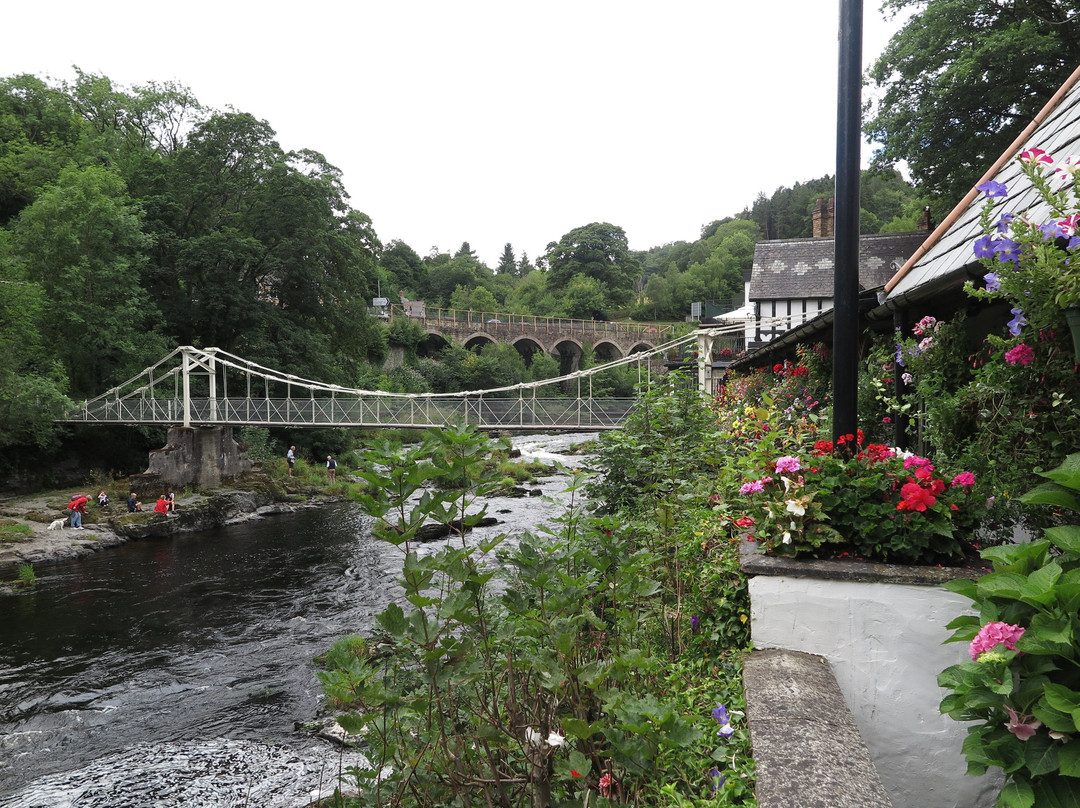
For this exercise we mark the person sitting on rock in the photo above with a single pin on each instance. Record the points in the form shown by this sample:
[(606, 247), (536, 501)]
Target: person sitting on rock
[(162, 505), (103, 500), (133, 503)]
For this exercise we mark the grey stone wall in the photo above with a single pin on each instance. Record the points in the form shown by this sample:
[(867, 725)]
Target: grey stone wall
[(196, 457)]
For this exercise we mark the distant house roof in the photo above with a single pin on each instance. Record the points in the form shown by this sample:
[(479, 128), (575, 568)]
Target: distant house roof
[(947, 255), (803, 267)]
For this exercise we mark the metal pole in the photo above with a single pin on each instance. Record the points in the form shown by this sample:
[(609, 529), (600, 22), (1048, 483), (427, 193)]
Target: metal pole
[(846, 234), (186, 364)]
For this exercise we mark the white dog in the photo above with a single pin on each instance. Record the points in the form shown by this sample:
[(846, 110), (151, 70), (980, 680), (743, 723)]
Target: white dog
[(57, 524)]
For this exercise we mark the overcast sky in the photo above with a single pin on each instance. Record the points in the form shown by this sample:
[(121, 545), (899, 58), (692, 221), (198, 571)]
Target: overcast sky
[(495, 121)]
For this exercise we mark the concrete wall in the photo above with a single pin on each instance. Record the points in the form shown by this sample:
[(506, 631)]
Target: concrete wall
[(884, 643)]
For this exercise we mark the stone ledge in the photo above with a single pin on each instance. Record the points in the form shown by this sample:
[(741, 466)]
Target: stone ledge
[(755, 563), (807, 749)]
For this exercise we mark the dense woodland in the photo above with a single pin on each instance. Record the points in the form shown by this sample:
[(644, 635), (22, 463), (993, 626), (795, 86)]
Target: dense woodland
[(135, 219)]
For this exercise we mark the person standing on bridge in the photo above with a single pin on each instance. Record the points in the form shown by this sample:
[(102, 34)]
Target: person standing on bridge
[(331, 468), (290, 457)]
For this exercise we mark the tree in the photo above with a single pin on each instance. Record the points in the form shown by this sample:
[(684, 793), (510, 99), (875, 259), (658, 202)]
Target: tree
[(584, 298), (959, 82), (598, 251), (532, 296), (82, 242), (404, 266), (523, 267), (39, 134), (32, 382), (507, 263)]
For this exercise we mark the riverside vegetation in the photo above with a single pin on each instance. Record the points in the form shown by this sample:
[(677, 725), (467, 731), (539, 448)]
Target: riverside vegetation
[(597, 664)]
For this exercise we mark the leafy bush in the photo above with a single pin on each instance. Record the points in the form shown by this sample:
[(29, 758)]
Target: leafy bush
[(550, 683), (1022, 684)]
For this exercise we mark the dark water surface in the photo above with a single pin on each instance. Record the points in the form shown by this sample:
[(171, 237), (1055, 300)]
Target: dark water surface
[(171, 672)]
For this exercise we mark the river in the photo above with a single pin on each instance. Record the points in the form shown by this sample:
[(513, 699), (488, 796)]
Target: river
[(172, 672)]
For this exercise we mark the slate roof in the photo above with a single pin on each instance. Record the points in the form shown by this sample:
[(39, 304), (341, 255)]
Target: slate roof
[(947, 255), (795, 268)]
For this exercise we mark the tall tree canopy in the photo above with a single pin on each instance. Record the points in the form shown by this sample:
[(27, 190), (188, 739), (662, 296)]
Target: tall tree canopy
[(960, 81), (598, 251)]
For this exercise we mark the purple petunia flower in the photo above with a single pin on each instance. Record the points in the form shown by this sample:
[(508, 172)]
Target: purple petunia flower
[(1005, 221), (720, 713), (1051, 231), (1007, 250), (695, 623), (900, 354), (984, 246), (992, 189), (717, 778), (993, 282), (1017, 323)]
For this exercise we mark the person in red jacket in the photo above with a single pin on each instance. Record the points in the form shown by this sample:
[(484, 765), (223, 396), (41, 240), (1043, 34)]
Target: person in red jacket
[(78, 508), (162, 505)]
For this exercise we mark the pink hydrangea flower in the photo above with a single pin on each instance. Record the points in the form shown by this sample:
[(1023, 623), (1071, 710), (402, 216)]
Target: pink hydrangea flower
[(787, 463), (752, 487), (992, 635), (1020, 355), (964, 478)]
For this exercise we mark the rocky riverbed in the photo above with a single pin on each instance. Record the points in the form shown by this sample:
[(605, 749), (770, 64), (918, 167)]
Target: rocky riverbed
[(253, 497)]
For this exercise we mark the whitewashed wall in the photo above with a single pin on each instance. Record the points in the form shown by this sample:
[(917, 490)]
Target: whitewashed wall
[(884, 643)]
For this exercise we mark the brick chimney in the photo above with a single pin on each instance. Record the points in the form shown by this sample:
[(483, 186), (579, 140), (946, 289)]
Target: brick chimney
[(926, 223), (823, 218)]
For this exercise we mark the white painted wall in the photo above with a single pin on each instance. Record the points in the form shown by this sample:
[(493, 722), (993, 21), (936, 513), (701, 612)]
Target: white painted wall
[(884, 643)]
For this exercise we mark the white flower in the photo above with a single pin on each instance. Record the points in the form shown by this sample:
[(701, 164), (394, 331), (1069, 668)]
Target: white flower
[(787, 538), (796, 507), (532, 737), (555, 739)]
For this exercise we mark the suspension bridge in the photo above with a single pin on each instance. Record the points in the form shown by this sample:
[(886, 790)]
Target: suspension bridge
[(211, 387)]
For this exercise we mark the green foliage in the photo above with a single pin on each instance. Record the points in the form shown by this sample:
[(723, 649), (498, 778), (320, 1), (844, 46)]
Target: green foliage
[(258, 443), (599, 252), (541, 684), (669, 442), (959, 82), (1003, 422), (12, 531), (27, 576), (1023, 683)]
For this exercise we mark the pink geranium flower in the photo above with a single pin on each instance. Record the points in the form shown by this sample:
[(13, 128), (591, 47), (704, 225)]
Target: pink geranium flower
[(787, 463), (992, 635), (964, 478), (1022, 354)]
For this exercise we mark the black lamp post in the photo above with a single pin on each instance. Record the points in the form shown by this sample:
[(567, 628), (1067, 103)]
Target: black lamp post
[(846, 232)]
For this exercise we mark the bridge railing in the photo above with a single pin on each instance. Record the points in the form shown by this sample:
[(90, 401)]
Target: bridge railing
[(489, 413), (490, 320)]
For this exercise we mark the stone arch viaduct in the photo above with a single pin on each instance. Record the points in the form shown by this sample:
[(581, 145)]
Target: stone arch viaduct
[(563, 338)]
